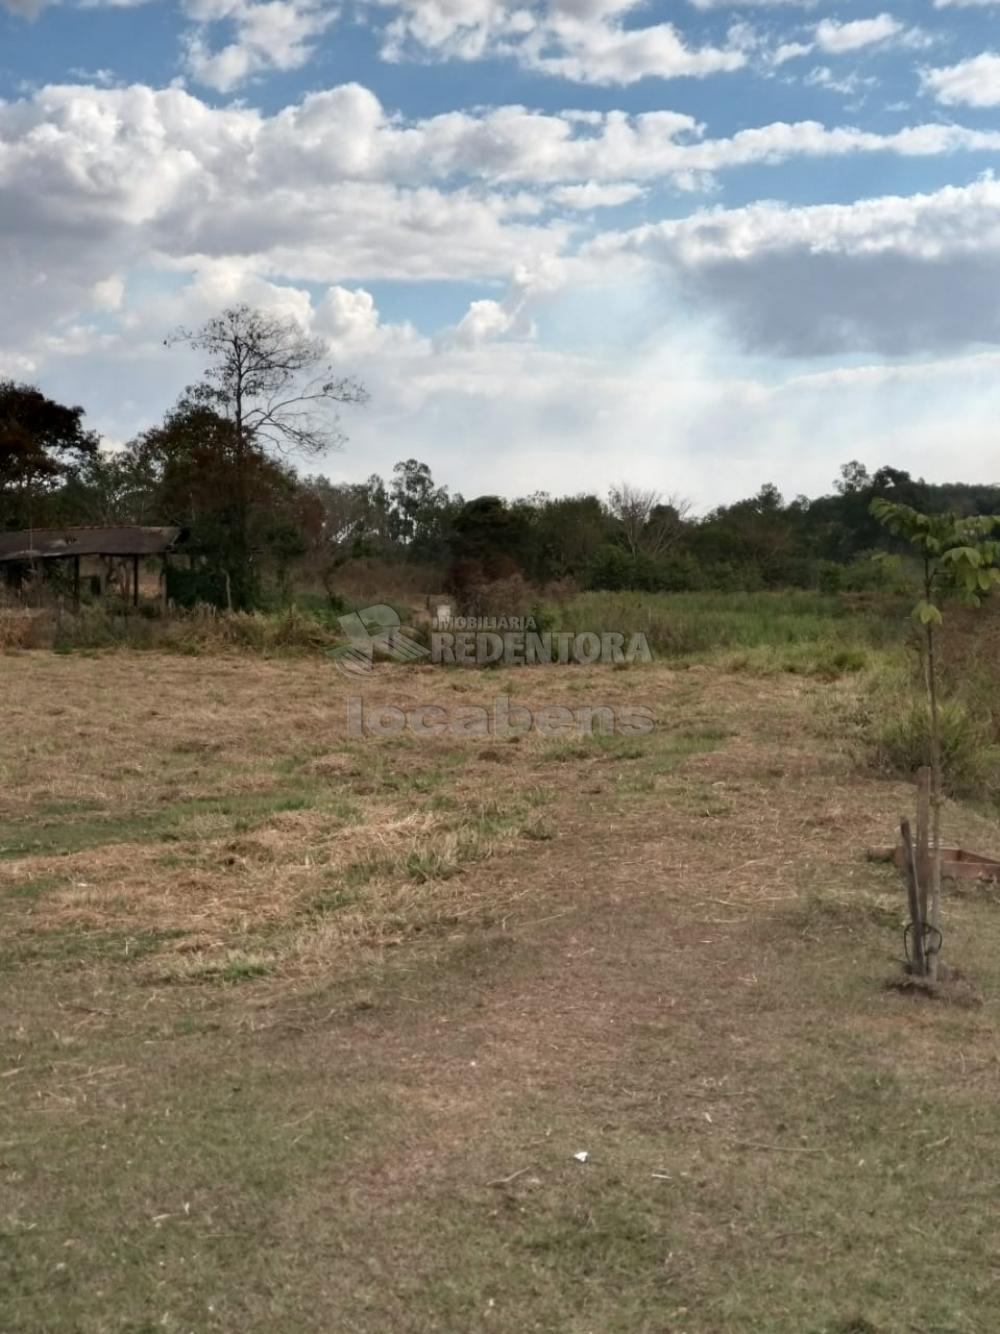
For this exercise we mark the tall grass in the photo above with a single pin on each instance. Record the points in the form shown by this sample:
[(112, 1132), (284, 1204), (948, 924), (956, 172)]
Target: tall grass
[(791, 631), (892, 716), (794, 631), (201, 630)]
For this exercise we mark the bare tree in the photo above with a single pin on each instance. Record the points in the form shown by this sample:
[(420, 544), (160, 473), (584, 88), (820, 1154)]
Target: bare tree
[(271, 381), (272, 384), (650, 524)]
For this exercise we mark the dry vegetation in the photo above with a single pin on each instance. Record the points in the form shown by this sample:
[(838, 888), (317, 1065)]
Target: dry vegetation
[(302, 1032)]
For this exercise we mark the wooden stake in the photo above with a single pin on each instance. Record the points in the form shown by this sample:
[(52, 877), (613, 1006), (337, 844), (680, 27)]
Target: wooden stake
[(918, 958)]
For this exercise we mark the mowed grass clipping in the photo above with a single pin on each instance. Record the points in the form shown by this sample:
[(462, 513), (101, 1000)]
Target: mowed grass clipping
[(306, 1032)]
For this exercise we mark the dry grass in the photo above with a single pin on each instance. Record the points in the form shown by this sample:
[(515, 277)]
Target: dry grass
[(229, 799), (461, 961)]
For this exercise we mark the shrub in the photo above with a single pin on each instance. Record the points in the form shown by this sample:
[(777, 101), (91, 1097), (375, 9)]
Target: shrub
[(900, 734)]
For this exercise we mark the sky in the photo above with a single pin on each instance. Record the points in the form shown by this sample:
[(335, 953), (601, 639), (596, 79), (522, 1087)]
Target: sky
[(696, 246)]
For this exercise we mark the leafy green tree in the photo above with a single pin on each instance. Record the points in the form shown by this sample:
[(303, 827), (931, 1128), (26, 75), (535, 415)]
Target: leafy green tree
[(421, 512), (238, 504), (42, 443), (109, 488), (569, 531), (489, 540), (959, 559)]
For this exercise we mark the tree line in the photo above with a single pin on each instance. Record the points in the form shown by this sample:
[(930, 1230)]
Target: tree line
[(220, 465)]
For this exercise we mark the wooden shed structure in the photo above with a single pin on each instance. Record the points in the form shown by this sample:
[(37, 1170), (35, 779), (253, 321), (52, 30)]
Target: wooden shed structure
[(33, 547)]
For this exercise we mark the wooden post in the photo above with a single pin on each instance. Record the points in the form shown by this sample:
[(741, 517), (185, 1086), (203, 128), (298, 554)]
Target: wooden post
[(76, 583), (135, 581), (913, 895)]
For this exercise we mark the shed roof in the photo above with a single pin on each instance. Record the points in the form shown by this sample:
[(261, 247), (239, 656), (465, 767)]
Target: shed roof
[(59, 543)]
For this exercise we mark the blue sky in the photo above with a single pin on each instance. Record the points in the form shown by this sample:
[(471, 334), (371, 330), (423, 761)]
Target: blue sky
[(695, 245)]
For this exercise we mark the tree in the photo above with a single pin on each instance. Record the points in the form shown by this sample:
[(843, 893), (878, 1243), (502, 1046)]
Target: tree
[(649, 523), (569, 531), (755, 538), (111, 488), (854, 477), (356, 518), (420, 510), (489, 539), (41, 443), (958, 557), (272, 385), (235, 503)]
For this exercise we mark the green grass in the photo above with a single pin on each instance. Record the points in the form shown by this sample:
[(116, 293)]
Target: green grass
[(34, 887), (780, 631), (82, 827), (77, 947)]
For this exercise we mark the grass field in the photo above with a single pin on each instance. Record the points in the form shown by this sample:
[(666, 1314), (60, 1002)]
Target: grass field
[(302, 1031)]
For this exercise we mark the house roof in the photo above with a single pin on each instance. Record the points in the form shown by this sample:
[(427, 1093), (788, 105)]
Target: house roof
[(60, 543)]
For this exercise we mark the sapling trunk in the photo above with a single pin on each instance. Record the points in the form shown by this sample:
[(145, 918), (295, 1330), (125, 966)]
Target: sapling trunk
[(936, 796)]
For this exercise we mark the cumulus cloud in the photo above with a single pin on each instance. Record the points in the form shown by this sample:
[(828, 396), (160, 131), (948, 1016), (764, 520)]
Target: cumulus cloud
[(267, 35), (973, 83), (894, 275), (587, 41), (487, 319), (336, 191), (335, 188)]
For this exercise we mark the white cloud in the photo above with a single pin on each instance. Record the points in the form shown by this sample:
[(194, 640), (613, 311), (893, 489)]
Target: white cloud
[(583, 40), (895, 275), (334, 188), (837, 38), (791, 51), (596, 194), (754, 4), (109, 293), (101, 183), (486, 320), (267, 35), (848, 84), (493, 411), (833, 38), (974, 83)]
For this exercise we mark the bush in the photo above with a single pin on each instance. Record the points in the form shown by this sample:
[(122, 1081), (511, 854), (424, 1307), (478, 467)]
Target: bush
[(900, 736), (865, 574), (614, 569)]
